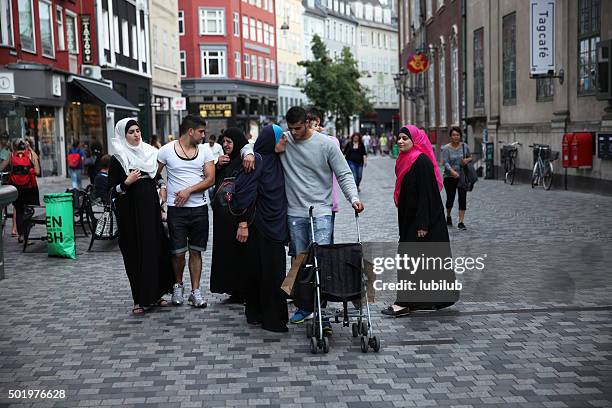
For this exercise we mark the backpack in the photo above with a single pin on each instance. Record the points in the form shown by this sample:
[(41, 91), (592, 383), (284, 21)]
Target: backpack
[(74, 160), (22, 170)]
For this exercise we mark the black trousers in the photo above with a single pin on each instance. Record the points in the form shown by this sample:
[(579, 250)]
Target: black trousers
[(265, 300), (451, 186)]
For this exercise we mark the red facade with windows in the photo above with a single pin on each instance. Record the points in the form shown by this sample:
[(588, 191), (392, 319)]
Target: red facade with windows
[(203, 14), (61, 59)]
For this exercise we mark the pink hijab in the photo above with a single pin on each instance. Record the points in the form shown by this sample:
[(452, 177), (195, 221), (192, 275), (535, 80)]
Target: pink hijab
[(405, 160)]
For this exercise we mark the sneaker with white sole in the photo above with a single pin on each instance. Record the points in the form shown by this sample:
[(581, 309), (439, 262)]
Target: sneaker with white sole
[(195, 299), (178, 291)]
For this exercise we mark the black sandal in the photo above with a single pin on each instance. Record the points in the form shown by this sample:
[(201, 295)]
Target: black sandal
[(389, 311), (138, 310)]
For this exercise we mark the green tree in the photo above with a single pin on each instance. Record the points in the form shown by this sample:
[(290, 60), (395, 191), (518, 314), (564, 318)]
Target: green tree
[(333, 86)]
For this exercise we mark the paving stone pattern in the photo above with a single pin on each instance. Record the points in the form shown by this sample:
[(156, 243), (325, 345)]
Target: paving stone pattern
[(534, 329)]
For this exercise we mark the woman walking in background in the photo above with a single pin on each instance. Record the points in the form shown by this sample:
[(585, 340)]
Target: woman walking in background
[(356, 157), (228, 273), (455, 155), (142, 240)]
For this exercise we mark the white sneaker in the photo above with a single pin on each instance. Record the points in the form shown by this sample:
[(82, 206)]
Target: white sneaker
[(195, 299), (177, 294)]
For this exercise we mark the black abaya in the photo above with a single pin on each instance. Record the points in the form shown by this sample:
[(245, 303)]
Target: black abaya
[(420, 208), (227, 270), (142, 240)]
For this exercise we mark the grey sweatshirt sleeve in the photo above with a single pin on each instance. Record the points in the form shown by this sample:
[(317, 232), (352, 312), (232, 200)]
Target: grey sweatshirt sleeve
[(446, 158), (247, 149), (342, 172)]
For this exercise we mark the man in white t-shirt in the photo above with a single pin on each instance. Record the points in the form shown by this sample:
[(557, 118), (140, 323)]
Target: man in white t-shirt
[(191, 170)]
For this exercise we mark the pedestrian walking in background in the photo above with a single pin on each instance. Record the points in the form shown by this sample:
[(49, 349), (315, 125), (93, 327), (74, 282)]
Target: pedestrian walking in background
[(420, 213), (366, 142), (375, 144), (142, 240), (455, 155), (356, 157), (155, 142), (190, 171), (228, 273), (384, 147), (75, 158), (263, 192), (24, 167)]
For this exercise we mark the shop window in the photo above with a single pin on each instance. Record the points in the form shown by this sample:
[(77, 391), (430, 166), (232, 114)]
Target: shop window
[(589, 14)]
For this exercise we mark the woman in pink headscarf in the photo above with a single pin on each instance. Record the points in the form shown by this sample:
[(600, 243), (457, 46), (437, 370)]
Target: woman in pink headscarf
[(420, 216)]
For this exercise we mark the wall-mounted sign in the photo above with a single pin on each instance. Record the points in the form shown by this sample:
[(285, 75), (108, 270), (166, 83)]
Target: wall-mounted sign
[(56, 85), (542, 36), (7, 83), (86, 39), (216, 110), (417, 62), (179, 103)]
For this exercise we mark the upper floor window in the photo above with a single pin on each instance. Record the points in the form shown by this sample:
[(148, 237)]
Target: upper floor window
[(212, 21), (59, 21), (588, 36), (45, 16), (6, 23), (478, 68), (236, 25), (509, 58), (181, 22), (183, 63), (245, 27), (26, 25), (213, 63)]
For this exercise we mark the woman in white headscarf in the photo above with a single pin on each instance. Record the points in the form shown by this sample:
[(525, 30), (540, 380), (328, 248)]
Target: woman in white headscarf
[(143, 243)]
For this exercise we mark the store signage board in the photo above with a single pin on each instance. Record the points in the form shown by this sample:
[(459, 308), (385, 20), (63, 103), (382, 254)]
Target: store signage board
[(216, 110), (7, 83), (56, 85), (179, 104), (542, 37), (86, 39)]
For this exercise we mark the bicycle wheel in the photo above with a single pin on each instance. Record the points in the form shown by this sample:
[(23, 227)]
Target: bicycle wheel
[(548, 176), (535, 176), (511, 171)]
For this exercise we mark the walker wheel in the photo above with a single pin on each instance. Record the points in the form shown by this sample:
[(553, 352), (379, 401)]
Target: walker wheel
[(309, 329), (355, 329), (364, 345), (325, 345), (375, 344), (313, 345), (364, 327)]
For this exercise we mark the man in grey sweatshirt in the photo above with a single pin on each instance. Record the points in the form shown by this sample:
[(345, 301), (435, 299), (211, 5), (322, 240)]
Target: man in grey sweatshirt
[(309, 160)]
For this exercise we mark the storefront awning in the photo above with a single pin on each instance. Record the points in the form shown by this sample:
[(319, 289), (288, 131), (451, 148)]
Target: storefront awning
[(105, 94)]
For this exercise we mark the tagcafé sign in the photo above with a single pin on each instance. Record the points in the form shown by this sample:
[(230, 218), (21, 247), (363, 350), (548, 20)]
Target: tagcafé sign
[(542, 36)]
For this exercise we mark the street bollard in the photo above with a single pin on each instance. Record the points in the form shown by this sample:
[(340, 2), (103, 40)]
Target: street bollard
[(8, 194)]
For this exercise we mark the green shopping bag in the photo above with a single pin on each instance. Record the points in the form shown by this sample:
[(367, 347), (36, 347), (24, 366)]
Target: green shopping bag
[(60, 225)]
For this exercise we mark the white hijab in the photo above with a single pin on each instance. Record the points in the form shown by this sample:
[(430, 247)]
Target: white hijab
[(142, 157)]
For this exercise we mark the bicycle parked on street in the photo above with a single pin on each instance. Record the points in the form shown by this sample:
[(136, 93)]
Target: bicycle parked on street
[(543, 170), (509, 153)]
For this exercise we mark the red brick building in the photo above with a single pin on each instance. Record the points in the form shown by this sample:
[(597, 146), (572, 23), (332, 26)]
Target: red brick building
[(48, 51), (228, 62)]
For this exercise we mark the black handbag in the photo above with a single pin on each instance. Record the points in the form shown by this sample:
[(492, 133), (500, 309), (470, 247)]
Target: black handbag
[(468, 176)]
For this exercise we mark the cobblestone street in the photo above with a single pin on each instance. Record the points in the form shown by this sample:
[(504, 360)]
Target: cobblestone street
[(533, 329)]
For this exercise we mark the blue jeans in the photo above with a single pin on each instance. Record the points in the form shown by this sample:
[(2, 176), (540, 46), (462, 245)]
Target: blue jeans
[(357, 170), (75, 177), (301, 236)]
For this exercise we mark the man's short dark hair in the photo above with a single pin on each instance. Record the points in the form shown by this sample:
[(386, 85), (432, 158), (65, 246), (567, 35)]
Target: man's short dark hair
[(191, 122), (313, 114), (212, 138), (297, 114)]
